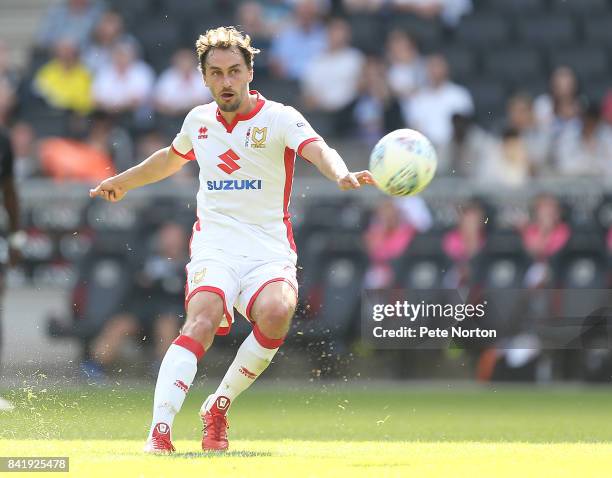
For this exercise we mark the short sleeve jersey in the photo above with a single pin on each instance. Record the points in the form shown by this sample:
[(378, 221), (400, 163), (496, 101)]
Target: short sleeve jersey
[(246, 175)]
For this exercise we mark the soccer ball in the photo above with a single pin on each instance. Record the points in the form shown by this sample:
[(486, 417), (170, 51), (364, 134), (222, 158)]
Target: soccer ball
[(403, 162)]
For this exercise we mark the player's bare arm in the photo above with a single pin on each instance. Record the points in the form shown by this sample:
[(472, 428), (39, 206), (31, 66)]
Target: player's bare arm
[(158, 166), (332, 166)]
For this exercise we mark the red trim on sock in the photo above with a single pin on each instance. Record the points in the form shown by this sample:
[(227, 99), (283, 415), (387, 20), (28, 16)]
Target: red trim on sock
[(190, 344), (266, 342)]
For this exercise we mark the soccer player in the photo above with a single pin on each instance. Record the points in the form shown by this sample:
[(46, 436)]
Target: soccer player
[(16, 238), (242, 249)]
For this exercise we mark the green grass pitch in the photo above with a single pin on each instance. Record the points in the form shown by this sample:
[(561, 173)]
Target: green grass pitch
[(359, 430)]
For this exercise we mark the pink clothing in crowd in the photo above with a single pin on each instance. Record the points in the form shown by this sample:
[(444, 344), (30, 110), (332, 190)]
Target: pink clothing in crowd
[(542, 247)]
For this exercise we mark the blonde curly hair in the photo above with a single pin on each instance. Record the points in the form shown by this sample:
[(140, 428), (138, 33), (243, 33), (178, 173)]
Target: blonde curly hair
[(225, 37)]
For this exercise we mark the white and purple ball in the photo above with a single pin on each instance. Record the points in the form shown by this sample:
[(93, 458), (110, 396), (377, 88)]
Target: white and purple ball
[(403, 162)]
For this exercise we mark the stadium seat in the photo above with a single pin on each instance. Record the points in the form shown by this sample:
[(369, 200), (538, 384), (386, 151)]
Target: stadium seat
[(603, 214), (547, 31), (103, 279), (462, 62), (283, 91), (483, 31), (519, 7), (338, 273), (596, 90), (188, 8), (583, 7), (160, 37), (489, 98), (427, 33), (515, 65), (367, 33), (423, 265), (589, 62), (133, 11), (598, 32), (45, 120)]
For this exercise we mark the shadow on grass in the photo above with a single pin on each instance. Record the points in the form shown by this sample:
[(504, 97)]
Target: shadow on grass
[(221, 454)]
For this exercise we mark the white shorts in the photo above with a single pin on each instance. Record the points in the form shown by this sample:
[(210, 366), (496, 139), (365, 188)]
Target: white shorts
[(237, 280)]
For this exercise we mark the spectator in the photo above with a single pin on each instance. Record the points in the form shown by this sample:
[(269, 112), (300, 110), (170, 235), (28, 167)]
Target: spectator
[(23, 141), (376, 110), (415, 211), (8, 100), (276, 13), (468, 150), (156, 303), (109, 32), (180, 87), (305, 35), (543, 237), (64, 82), (510, 166), (7, 72), (406, 68), (463, 243), (340, 65), (431, 109), (537, 140), (606, 107), (126, 84), (73, 19), (449, 11), (254, 22), (561, 105), (105, 149), (585, 148), (9, 81), (107, 136), (386, 239)]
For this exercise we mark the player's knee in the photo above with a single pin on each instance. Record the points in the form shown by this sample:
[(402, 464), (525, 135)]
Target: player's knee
[(204, 316), (201, 327), (276, 314)]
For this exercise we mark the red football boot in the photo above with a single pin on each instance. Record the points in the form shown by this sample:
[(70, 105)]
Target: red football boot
[(160, 441), (215, 424)]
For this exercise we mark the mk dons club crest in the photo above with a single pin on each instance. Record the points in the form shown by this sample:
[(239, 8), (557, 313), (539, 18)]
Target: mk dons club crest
[(258, 137), (198, 276)]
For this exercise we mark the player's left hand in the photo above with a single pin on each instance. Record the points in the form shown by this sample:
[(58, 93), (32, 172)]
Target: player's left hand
[(356, 180)]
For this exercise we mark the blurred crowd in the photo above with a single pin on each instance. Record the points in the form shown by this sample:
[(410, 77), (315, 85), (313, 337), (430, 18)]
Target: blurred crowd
[(93, 100)]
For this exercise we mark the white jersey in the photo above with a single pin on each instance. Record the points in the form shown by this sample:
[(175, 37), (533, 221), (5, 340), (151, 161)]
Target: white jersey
[(246, 174)]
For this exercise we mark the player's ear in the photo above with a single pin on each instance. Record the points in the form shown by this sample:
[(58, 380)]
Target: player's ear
[(250, 74)]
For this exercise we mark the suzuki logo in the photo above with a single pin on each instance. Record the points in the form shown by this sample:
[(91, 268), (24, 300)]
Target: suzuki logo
[(229, 164)]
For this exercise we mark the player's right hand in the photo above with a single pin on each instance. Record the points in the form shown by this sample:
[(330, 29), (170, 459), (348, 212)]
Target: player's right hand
[(109, 190)]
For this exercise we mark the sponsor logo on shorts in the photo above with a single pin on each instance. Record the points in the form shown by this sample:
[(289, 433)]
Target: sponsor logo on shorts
[(233, 184)]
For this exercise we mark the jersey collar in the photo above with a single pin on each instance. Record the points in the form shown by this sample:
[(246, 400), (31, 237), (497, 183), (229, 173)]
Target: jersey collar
[(229, 127)]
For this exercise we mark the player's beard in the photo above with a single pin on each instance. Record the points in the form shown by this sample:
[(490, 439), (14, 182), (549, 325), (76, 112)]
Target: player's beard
[(229, 107)]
